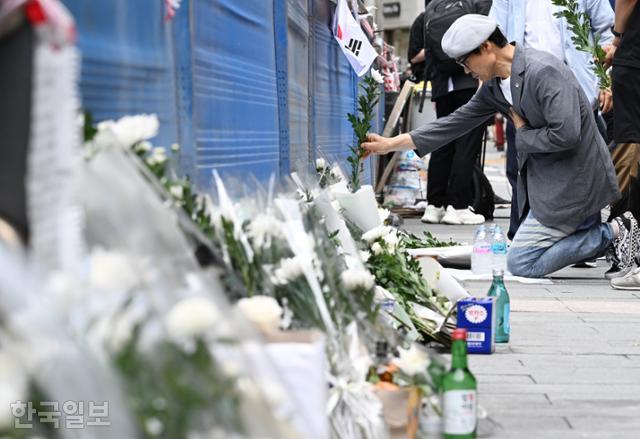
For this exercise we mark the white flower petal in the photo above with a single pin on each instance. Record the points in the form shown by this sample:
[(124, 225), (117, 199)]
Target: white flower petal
[(177, 192), (263, 311), (377, 76), (413, 361), (112, 271), (191, 317), (356, 279)]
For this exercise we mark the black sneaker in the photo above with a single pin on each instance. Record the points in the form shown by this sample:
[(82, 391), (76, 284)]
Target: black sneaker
[(626, 246), (591, 263), (615, 272)]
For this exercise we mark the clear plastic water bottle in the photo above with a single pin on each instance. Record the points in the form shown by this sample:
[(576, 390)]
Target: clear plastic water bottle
[(499, 250), (481, 258)]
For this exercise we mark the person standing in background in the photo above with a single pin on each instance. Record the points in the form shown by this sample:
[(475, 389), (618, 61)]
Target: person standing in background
[(450, 188), (416, 55), (624, 55)]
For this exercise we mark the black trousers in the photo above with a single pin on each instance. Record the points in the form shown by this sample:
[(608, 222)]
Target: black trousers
[(450, 167), (626, 96), (16, 59)]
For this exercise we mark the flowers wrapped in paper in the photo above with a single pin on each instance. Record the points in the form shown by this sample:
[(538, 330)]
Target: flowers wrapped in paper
[(168, 322)]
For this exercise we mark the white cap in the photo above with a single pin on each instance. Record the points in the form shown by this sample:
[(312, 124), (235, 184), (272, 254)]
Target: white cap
[(467, 33)]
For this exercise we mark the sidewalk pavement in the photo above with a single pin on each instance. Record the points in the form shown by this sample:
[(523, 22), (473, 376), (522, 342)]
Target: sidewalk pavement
[(572, 367)]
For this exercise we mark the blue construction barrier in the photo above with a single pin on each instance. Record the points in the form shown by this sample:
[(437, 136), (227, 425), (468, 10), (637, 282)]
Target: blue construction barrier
[(255, 87), (127, 65)]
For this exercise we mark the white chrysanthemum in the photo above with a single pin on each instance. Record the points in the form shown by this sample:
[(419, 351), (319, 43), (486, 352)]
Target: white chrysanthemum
[(13, 387), (384, 214), (413, 361), (143, 147), (336, 172), (377, 76), (175, 147), (113, 333), (158, 156), (392, 240), (130, 130), (321, 163), (262, 311), (192, 317), (289, 270), (376, 233), (159, 151), (365, 255), (356, 279), (177, 191), (112, 271), (263, 227), (154, 426), (377, 249)]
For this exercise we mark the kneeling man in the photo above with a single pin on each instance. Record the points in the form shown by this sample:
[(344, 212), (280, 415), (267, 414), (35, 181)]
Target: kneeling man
[(565, 169)]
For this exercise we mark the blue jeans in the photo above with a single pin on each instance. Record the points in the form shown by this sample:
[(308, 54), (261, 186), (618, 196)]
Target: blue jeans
[(538, 250)]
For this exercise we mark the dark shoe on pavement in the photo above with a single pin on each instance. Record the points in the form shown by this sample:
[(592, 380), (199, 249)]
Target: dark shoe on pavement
[(593, 263), (626, 246), (615, 272), (629, 282)]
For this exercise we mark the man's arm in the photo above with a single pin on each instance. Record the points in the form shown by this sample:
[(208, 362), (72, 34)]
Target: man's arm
[(416, 40), (442, 131), (623, 12), (420, 57), (560, 105), (500, 12), (439, 132), (601, 17)]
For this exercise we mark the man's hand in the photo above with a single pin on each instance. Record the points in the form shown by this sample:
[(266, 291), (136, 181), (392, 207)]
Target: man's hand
[(518, 120), (420, 57), (376, 144), (606, 100), (610, 51)]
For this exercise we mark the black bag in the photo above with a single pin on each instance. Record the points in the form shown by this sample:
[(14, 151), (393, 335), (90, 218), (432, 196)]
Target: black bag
[(483, 195), (439, 16)]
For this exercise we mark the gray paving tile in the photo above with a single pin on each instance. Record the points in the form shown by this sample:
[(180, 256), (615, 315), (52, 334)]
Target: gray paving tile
[(572, 368)]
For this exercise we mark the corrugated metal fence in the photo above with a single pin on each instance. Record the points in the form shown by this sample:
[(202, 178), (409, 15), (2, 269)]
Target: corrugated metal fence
[(246, 87)]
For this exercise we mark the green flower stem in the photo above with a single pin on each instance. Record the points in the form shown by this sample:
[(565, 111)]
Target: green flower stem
[(580, 26), (361, 124)]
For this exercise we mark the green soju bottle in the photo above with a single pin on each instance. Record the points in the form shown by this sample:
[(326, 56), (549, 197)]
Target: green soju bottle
[(502, 306), (459, 397)]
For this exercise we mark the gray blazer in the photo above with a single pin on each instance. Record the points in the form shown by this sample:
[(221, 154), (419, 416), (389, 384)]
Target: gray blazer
[(565, 169)]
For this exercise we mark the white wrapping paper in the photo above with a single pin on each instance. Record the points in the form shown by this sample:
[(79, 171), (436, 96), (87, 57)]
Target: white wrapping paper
[(361, 208), (441, 280)]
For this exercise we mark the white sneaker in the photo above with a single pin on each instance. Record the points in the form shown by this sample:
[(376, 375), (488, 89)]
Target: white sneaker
[(631, 281), (461, 216), (433, 214)]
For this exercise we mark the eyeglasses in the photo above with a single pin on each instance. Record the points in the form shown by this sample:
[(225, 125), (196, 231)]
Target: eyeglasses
[(462, 61)]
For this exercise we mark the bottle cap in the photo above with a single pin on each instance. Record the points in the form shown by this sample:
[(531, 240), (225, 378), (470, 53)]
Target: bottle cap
[(498, 272), (459, 334)]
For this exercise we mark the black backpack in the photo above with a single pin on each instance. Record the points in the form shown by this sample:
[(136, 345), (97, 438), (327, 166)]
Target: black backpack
[(439, 16)]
